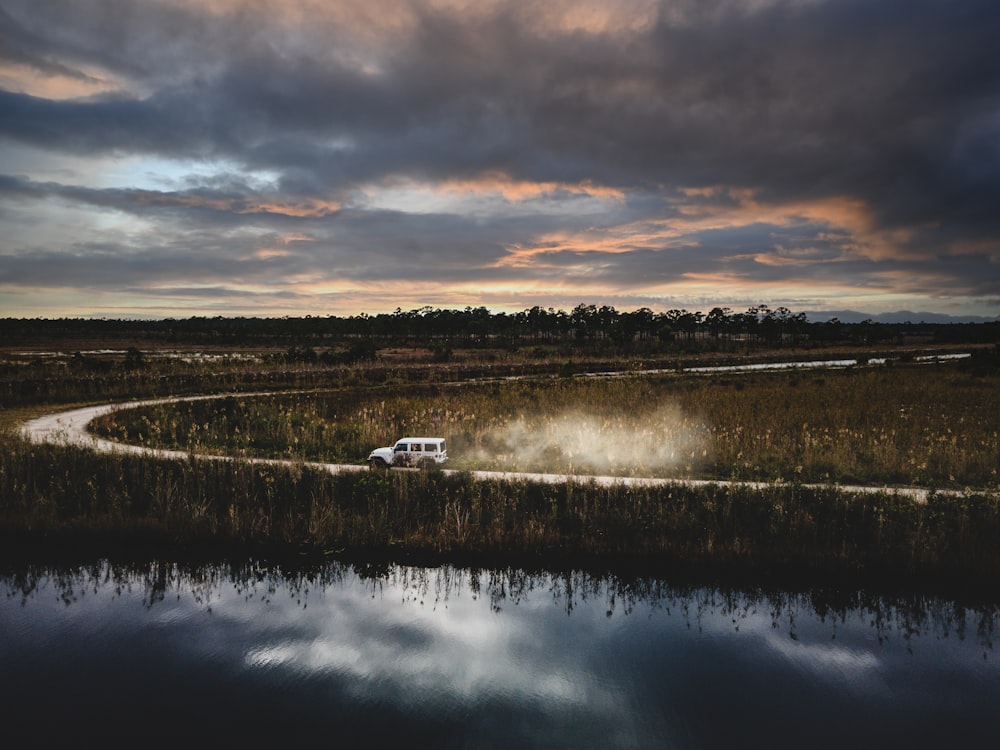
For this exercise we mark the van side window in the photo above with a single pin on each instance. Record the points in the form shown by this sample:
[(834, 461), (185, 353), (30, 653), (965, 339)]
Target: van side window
[(429, 447), (400, 447), (415, 447)]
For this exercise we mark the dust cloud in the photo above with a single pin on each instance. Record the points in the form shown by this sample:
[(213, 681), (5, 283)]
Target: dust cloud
[(661, 441)]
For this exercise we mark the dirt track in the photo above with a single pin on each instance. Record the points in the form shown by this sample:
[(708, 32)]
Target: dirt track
[(70, 428)]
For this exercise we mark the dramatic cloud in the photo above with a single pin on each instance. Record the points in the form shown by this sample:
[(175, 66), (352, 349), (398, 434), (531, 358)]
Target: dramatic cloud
[(297, 157)]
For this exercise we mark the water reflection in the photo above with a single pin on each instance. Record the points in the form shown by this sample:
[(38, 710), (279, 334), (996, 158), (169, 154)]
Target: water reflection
[(454, 657)]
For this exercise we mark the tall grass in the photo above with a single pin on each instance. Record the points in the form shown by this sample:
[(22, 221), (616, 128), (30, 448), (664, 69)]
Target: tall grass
[(53, 493), (924, 425), (917, 425)]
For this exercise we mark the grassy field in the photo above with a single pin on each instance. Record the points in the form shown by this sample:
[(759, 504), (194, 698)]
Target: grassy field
[(922, 425), (926, 425), (61, 498)]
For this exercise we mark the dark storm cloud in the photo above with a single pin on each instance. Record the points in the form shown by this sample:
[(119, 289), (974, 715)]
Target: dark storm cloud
[(894, 100), (25, 47), (896, 96), (893, 104)]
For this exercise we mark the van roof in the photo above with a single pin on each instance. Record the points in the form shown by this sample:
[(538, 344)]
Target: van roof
[(419, 439)]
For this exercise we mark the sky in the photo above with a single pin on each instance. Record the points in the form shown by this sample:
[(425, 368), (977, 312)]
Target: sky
[(172, 158)]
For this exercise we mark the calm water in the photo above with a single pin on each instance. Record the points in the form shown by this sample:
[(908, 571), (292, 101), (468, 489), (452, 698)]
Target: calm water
[(444, 657)]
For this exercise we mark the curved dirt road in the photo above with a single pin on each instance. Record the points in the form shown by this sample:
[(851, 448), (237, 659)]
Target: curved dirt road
[(70, 428)]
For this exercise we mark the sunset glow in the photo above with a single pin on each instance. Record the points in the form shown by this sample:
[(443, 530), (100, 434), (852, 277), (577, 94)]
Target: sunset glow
[(239, 157)]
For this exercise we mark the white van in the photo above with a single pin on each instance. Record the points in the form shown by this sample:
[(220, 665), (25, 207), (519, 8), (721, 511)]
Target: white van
[(410, 451)]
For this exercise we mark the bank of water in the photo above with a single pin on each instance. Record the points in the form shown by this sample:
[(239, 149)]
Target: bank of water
[(396, 656)]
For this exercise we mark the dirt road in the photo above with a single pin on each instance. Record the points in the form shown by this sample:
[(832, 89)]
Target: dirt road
[(71, 428)]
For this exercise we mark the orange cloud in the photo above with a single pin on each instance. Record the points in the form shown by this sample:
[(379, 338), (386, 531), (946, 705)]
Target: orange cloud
[(312, 208), (852, 216), (797, 256), (282, 250), (500, 183), (267, 253), (988, 248), (26, 79), (846, 222), (532, 256), (721, 208), (571, 15)]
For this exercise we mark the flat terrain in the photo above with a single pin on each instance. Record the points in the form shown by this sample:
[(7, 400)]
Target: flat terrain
[(882, 462), (71, 427)]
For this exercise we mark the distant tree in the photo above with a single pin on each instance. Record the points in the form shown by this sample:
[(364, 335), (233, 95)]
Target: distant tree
[(359, 350), (440, 351), (134, 359), (300, 353), (718, 321), (583, 319)]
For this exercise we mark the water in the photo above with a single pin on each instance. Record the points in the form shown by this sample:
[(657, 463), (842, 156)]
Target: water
[(799, 365), (401, 656)]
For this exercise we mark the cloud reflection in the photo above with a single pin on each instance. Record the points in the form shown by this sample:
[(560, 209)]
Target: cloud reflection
[(459, 653), (501, 657)]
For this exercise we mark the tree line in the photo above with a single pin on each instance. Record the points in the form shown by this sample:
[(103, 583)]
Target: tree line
[(477, 326)]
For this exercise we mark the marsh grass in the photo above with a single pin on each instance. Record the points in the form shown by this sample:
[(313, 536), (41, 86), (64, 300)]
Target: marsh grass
[(48, 492), (931, 426), (926, 425)]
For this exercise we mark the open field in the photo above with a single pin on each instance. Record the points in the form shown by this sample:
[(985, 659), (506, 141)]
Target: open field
[(905, 424), (921, 425)]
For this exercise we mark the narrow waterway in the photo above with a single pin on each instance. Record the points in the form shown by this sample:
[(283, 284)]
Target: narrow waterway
[(446, 657)]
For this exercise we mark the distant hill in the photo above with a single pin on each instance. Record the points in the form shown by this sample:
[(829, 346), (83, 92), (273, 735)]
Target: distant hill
[(900, 316)]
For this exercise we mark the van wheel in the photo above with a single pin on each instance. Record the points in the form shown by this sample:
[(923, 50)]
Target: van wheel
[(377, 464)]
